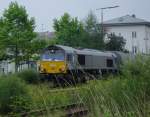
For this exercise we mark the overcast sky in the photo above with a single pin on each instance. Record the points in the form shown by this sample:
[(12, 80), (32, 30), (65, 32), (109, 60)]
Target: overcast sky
[(45, 11)]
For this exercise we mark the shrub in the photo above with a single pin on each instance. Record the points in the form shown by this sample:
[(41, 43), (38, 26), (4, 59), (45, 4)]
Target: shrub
[(12, 90), (29, 76), (140, 67)]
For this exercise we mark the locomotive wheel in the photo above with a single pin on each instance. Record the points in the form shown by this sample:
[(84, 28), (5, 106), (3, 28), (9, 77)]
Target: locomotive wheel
[(57, 81), (44, 77), (81, 78), (71, 79)]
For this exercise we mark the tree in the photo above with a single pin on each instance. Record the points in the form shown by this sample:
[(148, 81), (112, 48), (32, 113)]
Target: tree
[(90, 23), (115, 43), (68, 30), (33, 49), (94, 37), (16, 30)]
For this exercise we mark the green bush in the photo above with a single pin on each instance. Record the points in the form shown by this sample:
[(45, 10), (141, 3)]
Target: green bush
[(14, 97), (139, 67), (29, 76)]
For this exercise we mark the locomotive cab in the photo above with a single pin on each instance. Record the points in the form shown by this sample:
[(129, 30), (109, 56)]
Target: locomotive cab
[(53, 61)]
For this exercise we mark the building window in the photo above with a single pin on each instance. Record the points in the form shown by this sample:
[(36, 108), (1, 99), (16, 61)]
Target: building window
[(134, 35), (134, 49), (81, 59), (119, 34)]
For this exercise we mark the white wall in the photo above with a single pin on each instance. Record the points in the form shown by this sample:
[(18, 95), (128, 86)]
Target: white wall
[(147, 41), (142, 33), (9, 67)]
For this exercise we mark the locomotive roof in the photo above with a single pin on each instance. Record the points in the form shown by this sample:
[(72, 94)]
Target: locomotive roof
[(68, 49)]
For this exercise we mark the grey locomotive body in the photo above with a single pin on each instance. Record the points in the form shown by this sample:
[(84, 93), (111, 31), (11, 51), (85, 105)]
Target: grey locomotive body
[(92, 61), (67, 60)]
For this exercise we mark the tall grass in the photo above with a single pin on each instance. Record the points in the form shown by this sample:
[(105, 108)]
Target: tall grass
[(126, 95), (50, 99)]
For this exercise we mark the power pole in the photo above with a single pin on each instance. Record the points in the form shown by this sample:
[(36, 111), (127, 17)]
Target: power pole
[(102, 17)]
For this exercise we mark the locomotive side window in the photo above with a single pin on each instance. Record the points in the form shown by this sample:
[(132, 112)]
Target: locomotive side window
[(81, 59), (109, 63)]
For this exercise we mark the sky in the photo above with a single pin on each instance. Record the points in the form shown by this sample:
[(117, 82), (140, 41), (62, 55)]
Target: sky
[(45, 11)]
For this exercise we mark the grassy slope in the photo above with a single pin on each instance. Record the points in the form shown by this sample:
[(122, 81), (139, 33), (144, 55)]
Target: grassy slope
[(126, 95), (108, 98)]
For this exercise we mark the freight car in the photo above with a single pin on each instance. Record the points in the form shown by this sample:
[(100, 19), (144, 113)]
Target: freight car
[(63, 62)]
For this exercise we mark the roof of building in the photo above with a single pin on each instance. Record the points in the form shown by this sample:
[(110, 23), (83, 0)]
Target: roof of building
[(126, 20)]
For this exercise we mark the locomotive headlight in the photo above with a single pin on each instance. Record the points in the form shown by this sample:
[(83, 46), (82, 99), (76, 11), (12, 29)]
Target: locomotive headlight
[(62, 69)]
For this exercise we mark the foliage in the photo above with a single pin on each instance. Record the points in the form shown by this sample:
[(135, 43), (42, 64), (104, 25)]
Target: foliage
[(115, 43), (117, 98), (20, 105), (68, 30), (12, 89), (29, 76), (71, 32), (16, 29), (52, 41), (34, 47), (121, 96), (93, 37), (125, 95), (45, 98)]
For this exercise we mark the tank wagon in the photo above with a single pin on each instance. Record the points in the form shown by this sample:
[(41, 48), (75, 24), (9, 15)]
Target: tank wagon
[(65, 61)]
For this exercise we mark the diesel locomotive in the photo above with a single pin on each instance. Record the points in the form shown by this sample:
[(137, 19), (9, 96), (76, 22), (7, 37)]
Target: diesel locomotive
[(64, 61)]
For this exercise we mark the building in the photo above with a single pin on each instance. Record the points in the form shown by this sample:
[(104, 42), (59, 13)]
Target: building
[(8, 66), (135, 31), (45, 35)]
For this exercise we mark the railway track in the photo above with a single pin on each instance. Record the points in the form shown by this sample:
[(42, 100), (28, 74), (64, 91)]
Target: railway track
[(71, 110), (64, 90), (76, 110)]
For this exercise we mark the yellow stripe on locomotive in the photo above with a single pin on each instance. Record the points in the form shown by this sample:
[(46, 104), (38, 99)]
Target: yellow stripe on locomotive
[(53, 67)]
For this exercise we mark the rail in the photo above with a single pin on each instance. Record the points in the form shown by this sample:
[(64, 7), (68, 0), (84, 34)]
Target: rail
[(75, 110)]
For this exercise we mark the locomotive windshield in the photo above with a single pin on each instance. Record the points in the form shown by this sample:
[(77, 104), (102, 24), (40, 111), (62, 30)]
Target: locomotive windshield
[(53, 55)]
